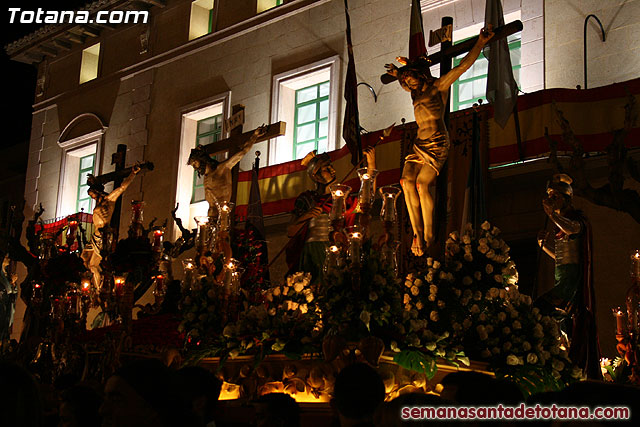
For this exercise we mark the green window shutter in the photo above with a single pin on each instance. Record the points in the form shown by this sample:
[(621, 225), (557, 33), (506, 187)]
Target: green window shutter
[(209, 130), (472, 85), (84, 201), (311, 120)]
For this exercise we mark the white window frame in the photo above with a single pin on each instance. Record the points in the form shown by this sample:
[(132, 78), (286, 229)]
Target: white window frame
[(220, 104), (72, 151), (90, 63), (202, 20), (280, 149)]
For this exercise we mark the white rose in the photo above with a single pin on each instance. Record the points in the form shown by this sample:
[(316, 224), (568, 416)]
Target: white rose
[(466, 280), (373, 296), (468, 257), (516, 325), (298, 287), (526, 346), (466, 239), (507, 346), (434, 316), (486, 226), (532, 358), (512, 360), (418, 282), (498, 278), (276, 291), (415, 291), (489, 269), (436, 264), (475, 309)]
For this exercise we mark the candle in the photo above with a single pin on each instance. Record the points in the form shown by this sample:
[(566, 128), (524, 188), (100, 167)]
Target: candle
[(635, 265), (339, 194), (224, 215), (367, 178), (389, 196), (355, 241), (619, 315), (119, 284), (333, 259), (158, 236), (188, 266)]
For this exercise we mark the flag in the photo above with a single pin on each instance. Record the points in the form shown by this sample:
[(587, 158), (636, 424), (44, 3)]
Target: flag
[(416, 32), (475, 203), (502, 89), (255, 219), (351, 124)]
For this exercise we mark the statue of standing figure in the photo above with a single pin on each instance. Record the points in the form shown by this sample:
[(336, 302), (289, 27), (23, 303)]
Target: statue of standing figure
[(431, 146)]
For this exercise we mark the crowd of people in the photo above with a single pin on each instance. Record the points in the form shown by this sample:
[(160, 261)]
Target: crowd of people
[(147, 393)]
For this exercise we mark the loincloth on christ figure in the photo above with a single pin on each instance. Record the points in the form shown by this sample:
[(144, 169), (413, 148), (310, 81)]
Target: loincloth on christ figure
[(432, 151)]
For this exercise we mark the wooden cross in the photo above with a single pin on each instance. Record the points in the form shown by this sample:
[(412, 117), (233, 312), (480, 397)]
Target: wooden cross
[(118, 158), (236, 140)]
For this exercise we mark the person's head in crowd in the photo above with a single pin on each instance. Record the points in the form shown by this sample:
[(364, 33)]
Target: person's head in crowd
[(202, 390), (474, 388), (357, 394), (389, 415), (276, 410), (145, 393), (20, 402), (79, 407)]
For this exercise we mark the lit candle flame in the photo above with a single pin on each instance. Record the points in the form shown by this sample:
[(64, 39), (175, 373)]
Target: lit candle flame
[(333, 248), (339, 193), (366, 176)]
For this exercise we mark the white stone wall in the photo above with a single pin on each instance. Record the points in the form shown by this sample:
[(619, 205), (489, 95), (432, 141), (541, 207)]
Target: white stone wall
[(615, 60)]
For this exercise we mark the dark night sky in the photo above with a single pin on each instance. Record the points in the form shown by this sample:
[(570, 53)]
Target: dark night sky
[(19, 79)]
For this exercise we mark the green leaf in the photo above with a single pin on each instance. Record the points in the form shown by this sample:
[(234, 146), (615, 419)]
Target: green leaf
[(417, 361)]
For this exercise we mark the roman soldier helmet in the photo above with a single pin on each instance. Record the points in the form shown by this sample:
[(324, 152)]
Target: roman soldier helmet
[(561, 183), (313, 162)]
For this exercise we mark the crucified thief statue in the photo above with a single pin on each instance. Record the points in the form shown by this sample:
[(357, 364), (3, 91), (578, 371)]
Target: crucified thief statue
[(104, 207), (217, 175), (431, 146)]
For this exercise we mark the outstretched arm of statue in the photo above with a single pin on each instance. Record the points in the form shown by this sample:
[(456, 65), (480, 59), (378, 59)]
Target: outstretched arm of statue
[(566, 225), (233, 160), (300, 221), (448, 79), (113, 196)]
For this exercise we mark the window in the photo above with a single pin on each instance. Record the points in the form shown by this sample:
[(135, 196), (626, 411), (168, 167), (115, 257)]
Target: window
[(208, 130), (472, 85), (89, 64), (87, 166), (81, 144), (311, 120), (267, 4), (203, 19), (202, 124), (305, 98)]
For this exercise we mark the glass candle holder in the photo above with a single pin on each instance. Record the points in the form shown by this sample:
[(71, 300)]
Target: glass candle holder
[(619, 316), (118, 283), (635, 265), (158, 237), (389, 255), (71, 233), (366, 195), (356, 236), (189, 267), (333, 259), (137, 217), (159, 290), (204, 235), (232, 276), (389, 196), (224, 215), (339, 194)]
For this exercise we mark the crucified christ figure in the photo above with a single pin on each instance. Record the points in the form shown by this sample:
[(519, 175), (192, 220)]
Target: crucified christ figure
[(217, 175), (431, 146)]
